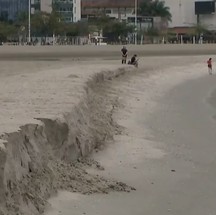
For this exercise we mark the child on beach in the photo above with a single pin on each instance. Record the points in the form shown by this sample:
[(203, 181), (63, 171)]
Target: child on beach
[(209, 63)]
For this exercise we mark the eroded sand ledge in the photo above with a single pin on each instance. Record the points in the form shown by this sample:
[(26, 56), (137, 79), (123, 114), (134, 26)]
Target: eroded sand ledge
[(30, 158), (36, 159)]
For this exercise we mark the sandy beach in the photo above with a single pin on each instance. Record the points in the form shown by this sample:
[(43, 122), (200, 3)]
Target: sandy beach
[(138, 128), (75, 53), (166, 151)]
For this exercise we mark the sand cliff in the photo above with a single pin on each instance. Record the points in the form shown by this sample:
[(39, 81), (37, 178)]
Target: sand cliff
[(48, 152)]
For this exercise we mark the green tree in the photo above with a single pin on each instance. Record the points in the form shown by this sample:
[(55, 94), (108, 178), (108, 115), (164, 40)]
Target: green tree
[(155, 8), (39, 23), (54, 24), (4, 17), (112, 29), (200, 29), (102, 21), (152, 32), (77, 29), (115, 30), (22, 23), (22, 17), (71, 30), (144, 8), (46, 24), (7, 30)]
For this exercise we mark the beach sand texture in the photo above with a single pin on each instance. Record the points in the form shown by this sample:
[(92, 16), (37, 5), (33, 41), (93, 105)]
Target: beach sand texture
[(108, 52), (55, 108), (167, 147)]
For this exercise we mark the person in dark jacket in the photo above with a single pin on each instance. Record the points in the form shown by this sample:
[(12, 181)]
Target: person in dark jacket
[(124, 52), (133, 59)]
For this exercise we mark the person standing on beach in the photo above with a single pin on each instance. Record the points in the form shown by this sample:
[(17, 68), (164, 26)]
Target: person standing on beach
[(124, 55), (209, 63)]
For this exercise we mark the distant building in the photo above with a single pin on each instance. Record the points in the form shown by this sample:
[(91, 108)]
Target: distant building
[(46, 5), (35, 5), (183, 14), (116, 9), (10, 9), (122, 10), (70, 10)]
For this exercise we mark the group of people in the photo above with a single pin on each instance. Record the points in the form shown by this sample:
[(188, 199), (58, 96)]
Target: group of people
[(132, 61)]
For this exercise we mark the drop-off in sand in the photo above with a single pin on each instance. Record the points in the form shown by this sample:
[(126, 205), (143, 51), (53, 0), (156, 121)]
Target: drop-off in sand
[(165, 112)]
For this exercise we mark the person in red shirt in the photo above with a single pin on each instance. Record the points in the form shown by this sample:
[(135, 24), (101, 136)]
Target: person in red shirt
[(209, 63)]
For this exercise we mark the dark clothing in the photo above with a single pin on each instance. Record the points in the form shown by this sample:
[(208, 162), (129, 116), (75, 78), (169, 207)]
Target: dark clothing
[(124, 55), (133, 60), (209, 62), (124, 51)]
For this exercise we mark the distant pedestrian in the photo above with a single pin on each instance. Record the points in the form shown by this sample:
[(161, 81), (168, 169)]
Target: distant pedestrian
[(124, 55), (209, 63)]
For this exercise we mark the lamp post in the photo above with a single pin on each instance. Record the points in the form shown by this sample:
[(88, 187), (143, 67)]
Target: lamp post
[(135, 4), (29, 22)]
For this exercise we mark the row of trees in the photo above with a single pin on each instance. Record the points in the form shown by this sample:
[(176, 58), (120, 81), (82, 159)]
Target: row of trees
[(45, 24)]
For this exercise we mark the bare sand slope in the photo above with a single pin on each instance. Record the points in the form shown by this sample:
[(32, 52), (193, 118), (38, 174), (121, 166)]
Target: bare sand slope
[(52, 113), (149, 155), (49, 119)]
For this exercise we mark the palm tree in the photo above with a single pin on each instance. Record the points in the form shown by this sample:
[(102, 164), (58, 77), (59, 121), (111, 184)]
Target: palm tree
[(144, 8), (155, 8)]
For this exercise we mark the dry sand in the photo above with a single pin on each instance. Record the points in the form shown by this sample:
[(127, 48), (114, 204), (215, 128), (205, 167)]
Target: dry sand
[(50, 118), (55, 111)]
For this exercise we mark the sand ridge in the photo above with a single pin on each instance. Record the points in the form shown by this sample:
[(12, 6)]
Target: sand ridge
[(63, 114), (41, 151), (135, 156)]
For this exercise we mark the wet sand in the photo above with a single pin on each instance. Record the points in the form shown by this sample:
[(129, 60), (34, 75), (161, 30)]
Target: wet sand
[(167, 151), (107, 52)]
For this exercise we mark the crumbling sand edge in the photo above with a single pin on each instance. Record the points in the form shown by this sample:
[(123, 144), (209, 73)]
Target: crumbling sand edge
[(28, 157)]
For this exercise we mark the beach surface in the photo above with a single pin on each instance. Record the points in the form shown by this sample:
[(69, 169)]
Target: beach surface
[(167, 150), (147, 132), (111, 52)]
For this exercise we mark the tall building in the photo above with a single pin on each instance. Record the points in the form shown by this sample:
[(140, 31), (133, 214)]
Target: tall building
[(183, 14), (69, 10), (46, 5), (10, 9), (35, 5)]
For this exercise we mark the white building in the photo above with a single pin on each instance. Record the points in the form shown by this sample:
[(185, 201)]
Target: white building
[(70, 10), (120, 13), (76, 10), (183, 14), (46, 6)]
